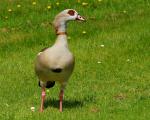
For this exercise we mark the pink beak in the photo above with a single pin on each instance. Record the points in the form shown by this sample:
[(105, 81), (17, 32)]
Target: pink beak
[(80, 18)]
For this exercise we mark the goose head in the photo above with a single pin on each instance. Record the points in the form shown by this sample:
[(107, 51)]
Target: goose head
[(67, 15)]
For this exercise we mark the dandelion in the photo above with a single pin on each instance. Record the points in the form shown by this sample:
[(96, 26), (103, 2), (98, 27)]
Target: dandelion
[(83, 32), (32, 109), (102, 45), (49, 7), (18, 6), (84, 4), (99, 62), (57, 3), (34, 3), (9, 10)]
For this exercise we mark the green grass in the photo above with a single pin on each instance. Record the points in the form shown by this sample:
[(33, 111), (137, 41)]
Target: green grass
[(115, 89)]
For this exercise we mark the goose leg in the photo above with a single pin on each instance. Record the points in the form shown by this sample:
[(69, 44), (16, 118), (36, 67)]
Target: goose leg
[(61, 100), (43, 94)]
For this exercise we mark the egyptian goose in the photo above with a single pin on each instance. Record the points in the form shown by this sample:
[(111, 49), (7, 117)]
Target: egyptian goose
[(56, 63)]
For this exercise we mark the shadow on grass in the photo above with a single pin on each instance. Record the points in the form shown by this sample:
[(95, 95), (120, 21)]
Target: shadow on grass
[(66, 103)]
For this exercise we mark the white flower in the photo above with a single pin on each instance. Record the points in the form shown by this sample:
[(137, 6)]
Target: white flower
[(99, 62), (124, 11), (84, 4), (32, 109), (128, 60), (34, 3), (49, 7), (18, 5), (57, 3), (83, 32), (9, 10), (102, 45)]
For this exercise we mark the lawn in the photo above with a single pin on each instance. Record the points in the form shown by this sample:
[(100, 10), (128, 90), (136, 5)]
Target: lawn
[(111, 80)]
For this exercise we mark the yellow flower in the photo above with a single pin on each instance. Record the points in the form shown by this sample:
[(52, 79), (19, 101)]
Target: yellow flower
[(18, 6), (83, 32), (49, 7), (99, 0), (84, 4), (34, 3), (9, 10), (57, 3)]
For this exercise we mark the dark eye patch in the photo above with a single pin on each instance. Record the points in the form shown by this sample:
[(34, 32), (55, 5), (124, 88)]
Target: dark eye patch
[(71, 12)]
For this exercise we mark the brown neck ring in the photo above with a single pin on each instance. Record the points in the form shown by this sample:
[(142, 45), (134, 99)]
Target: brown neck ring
[(61, 33)]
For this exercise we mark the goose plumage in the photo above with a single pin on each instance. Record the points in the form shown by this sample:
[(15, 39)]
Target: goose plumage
[(56, 63)]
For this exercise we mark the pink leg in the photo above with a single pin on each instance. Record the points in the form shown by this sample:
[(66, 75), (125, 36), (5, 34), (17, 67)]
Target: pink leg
[(42, 99), (61, 99)]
